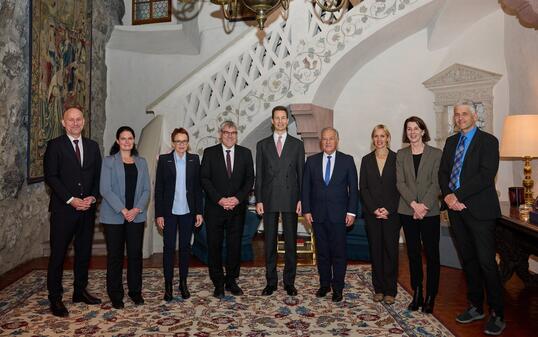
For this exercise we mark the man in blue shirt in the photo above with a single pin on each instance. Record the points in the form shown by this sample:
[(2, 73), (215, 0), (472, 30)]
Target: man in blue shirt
[(467, 179)]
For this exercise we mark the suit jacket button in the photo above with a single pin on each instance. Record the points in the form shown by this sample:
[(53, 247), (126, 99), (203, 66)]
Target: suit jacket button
[(79, 184)]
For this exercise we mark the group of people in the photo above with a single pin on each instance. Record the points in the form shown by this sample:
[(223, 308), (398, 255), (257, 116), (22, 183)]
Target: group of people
[(396, 189)]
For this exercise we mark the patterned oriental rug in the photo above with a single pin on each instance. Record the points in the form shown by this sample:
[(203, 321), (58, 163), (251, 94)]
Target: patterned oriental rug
[(24, 309)]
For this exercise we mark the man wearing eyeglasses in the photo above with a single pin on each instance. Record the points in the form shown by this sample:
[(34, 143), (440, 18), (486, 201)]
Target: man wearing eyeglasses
[(227, 176)]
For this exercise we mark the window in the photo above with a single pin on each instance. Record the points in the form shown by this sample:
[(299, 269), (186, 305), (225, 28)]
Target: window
[(151, 11)]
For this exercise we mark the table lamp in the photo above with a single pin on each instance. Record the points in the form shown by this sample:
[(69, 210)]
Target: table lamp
[(520, 140)]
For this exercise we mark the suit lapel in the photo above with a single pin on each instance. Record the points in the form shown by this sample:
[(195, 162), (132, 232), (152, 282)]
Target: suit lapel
[(470, 149), (409, 161), (70, 149), (120, 172), (171, 164)]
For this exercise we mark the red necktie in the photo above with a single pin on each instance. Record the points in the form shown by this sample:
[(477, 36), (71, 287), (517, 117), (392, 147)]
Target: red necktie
[(228, 164), (77, 150)]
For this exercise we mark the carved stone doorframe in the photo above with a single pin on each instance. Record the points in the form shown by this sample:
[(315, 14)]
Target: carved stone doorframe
[(311, 119), (456, 83)]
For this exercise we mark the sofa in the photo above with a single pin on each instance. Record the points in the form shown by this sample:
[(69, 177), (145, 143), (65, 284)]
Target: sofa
[(199, 246), (357, 240)]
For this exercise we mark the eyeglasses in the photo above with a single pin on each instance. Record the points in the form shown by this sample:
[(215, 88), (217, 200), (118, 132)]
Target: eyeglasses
[(181, 142), (229, 133)]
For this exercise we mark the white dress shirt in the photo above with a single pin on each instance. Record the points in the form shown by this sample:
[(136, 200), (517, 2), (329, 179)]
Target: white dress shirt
[(232, 149), (80, 147), (276, 135)]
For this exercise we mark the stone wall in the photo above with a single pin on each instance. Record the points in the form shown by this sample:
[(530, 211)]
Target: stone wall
[(24, 224)]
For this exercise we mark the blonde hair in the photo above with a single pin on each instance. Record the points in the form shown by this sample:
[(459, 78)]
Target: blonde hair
[(387, 133)]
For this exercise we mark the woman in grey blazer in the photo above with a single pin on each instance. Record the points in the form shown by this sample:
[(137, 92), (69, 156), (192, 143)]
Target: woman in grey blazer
[(124, 187), (416, 177)]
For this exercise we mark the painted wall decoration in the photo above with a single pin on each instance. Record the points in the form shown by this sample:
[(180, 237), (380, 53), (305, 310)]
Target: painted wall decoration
[(60, 72)]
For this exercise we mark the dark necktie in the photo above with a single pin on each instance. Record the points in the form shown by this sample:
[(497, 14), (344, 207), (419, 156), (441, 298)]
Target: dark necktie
[(328, 171), (458, 163), (228, 164), (77, 150)]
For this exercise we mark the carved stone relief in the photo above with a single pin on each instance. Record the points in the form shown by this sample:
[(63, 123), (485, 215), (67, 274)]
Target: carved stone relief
[(459, 82)]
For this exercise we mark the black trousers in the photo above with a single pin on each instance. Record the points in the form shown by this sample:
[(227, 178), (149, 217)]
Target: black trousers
[(331, 253), (130, 235), (270, 232), (172, 224), (418, 233), (475, 240), (63, 227), (383, 240), (223, 224)]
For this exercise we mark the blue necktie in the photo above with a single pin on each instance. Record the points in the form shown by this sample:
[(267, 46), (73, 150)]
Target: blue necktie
[(328, 171), (453, 184)]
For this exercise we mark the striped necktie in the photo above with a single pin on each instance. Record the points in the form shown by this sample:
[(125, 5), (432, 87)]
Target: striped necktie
[(453, 184)]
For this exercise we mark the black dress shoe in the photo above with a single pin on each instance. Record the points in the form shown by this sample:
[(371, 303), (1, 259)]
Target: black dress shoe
[(183, 290), (168, 291), (58, 308), (234, 289), (137, 299), (323, 291), (118, 304), (337, 296), (428, 305), (291, 290), (268, 290), (86, 297), (219, 292)]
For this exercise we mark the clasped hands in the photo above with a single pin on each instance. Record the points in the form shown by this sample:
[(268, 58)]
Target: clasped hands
[(420, 210), (82, 204), (130, 214), (381, 213), (228, 203), (453, 203)]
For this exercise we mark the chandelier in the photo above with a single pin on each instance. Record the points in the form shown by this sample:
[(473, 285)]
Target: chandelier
[(328, 11)]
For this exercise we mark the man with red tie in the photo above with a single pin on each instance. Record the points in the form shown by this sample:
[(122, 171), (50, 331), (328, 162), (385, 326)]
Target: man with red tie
[(72, 166), (227, 176)]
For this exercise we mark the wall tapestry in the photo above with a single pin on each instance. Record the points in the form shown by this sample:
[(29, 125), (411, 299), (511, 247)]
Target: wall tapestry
[(60, 72)]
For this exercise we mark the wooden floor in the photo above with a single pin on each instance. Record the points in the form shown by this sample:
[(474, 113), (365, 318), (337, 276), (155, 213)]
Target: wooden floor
[(521, 304)]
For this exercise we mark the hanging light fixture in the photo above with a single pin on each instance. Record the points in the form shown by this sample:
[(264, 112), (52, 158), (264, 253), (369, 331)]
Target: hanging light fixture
[(233, 10)]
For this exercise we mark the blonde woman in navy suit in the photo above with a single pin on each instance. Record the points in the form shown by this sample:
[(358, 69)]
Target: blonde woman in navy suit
[(178, 207), (417, 167), (380, 199), (125, 190)]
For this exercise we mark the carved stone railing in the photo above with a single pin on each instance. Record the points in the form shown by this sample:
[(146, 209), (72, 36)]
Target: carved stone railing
[(245, 81)]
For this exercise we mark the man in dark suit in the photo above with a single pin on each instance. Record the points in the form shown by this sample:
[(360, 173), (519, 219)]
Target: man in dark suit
[(330, 203), (467, 179), (72, 166), (227, 176), (279, 174)]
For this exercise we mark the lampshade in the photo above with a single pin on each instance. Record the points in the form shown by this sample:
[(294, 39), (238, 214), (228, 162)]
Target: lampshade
[(520, 136)]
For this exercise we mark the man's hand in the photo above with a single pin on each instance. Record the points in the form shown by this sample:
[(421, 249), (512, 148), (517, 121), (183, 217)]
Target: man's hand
[(80, 204), (350, 219), (225, 203), (160, 222), (298, 209), (308, 218), (259, 208), (199, 220)]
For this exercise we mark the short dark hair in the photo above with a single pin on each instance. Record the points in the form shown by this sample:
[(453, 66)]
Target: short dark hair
[(421, 125), (280, 108), (178, 131), (116, 148)]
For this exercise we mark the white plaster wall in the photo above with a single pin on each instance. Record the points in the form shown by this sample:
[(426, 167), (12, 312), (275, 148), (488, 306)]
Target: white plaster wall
[(389, 89), (521, 52), (137, 79)]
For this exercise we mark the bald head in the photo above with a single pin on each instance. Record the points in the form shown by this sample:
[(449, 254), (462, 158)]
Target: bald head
[(73, 122)]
